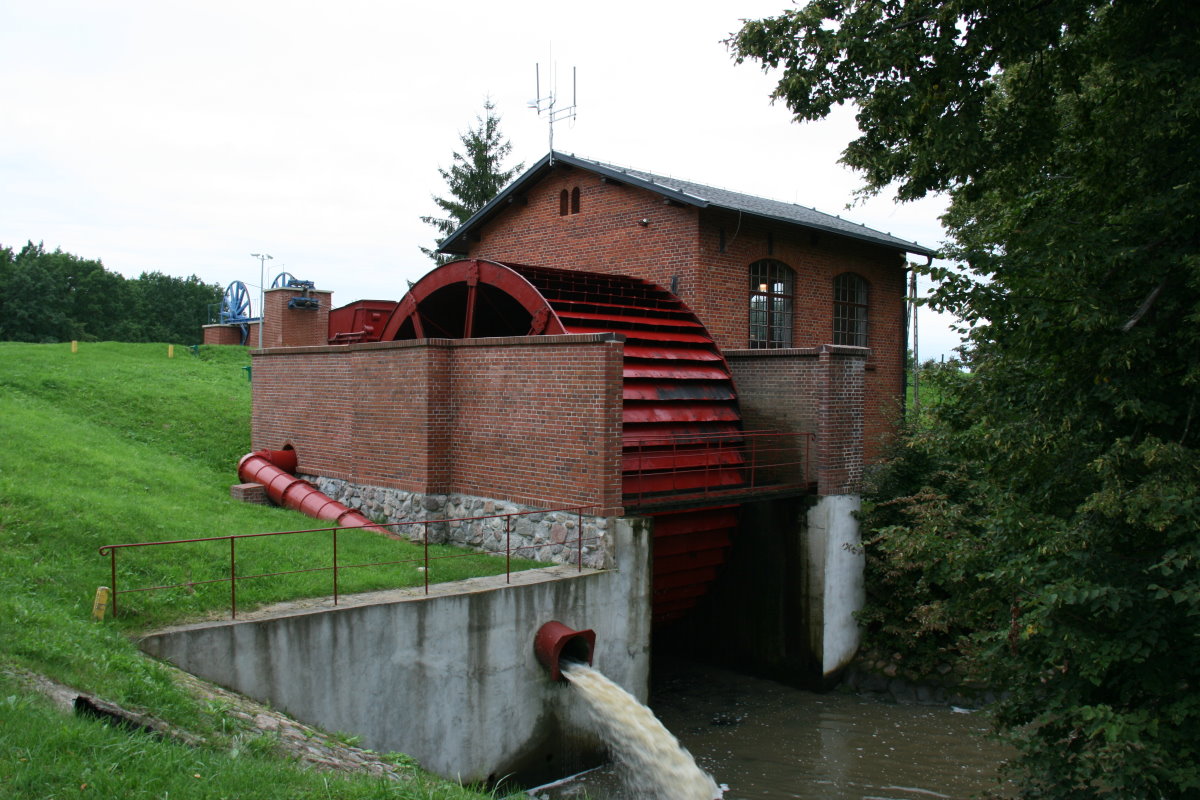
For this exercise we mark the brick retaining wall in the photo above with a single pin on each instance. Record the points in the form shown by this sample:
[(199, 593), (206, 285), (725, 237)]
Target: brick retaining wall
[(531, 420)]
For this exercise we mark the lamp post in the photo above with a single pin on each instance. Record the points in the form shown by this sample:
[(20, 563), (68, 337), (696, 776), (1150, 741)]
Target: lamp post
[(262, 297)]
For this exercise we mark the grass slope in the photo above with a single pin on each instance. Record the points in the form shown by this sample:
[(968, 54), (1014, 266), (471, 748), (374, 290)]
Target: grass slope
[(118, 443)]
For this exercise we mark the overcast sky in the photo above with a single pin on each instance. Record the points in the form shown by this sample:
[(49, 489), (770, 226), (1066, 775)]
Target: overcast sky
[(183, 136)]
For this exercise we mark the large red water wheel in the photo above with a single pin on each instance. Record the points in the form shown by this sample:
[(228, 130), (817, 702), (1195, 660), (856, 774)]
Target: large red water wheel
[(681, 425)]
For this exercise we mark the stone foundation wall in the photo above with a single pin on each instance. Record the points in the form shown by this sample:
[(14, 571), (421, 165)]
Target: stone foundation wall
[(551, 537)]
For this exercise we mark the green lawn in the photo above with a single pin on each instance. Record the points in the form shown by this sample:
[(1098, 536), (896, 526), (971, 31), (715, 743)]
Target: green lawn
[(119, 443)]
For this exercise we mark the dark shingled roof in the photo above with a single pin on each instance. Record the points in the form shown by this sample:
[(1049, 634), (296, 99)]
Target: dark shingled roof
[(693, 194)]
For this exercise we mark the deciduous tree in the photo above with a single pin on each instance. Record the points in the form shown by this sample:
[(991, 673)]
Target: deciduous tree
[(57, 296), (1066, 135)]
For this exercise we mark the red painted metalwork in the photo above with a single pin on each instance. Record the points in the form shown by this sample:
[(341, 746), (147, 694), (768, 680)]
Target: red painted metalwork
[(769, 462), (689, 547), (679, 397), (555, 641), (362, 321), (483, 297), (273, 469), (681, 425), (111, 550)]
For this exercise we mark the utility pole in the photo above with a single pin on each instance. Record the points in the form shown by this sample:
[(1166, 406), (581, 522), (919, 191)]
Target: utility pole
[(916, 373), (262, 295)]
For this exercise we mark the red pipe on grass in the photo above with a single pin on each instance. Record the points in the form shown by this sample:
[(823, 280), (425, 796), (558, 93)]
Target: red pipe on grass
[(273, 469)]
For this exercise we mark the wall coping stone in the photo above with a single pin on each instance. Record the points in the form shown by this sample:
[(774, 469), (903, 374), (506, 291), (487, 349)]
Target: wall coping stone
[(808, 352), (494, 341)]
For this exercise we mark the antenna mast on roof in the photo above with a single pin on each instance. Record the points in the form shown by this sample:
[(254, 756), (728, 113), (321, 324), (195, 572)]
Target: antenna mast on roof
[(548, 103)]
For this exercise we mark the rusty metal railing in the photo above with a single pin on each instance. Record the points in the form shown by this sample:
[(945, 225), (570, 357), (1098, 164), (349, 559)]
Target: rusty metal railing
[(335, 567), (727, 465)]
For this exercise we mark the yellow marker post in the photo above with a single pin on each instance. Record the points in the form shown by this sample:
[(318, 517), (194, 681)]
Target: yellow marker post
[(74, 346), (170, 351), (100, 605)]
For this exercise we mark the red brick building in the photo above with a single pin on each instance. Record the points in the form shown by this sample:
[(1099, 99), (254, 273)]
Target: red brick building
[(625, 341)]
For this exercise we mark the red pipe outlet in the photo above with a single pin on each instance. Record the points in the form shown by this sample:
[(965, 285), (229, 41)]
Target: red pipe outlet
[(555, 641), (273, 468)]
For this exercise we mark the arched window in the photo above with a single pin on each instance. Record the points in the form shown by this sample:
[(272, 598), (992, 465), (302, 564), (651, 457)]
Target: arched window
[(563, 200), (771, 286), (575, 200), (850, 310)]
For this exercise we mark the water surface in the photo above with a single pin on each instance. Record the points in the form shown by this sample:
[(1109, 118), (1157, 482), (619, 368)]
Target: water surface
[(767, 741)]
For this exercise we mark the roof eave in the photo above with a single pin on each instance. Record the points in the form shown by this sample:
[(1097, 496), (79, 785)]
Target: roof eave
[(871, 237), (457, 242)]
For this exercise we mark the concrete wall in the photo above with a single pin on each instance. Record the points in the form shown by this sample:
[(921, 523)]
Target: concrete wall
[(834, 583), (451, 679), (783, 605)]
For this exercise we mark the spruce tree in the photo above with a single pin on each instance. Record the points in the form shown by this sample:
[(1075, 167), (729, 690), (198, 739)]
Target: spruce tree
[(476, 175)]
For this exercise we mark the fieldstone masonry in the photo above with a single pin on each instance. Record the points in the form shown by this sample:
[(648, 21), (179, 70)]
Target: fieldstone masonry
[(491, 525)]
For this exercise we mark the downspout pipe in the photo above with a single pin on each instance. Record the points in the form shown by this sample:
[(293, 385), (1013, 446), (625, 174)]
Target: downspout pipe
[(273, 469)]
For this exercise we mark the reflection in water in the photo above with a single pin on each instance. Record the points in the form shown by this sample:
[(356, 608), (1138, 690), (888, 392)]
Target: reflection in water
[(767, 741)]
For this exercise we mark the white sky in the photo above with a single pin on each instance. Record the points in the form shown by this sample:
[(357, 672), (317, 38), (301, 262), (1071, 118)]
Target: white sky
[(183, 136)]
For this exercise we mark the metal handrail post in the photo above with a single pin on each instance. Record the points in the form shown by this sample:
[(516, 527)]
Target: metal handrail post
[(426, 523), (508, 548), (335, 568), (113, 569), (708, 457), (753, 460), (232, 578)]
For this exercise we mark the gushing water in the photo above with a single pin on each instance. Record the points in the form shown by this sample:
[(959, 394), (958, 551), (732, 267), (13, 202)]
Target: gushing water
[(653, 763)]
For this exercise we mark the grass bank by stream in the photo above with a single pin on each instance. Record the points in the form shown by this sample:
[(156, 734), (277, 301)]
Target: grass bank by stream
[(119, 443)]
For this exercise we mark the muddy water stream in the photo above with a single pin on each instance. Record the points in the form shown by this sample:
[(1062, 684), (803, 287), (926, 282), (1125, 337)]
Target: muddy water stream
[(766, 741)]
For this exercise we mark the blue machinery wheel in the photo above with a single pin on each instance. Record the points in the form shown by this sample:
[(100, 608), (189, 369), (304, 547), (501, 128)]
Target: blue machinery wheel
[(235, 305)]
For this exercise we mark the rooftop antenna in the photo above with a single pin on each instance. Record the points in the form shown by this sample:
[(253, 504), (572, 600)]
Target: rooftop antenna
[(548, 102)]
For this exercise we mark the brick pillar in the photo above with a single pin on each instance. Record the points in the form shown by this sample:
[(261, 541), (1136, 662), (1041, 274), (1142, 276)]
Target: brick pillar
[(841, 407), (611, 492), (440, 416), (294, 327)]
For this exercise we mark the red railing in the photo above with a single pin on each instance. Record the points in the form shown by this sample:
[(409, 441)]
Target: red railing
[(111, 551), (705, 465)]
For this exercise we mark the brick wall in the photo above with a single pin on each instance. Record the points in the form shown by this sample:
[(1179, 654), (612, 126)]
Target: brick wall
[(818, 391), (534, 420), (607, 235), (295, 327), (840, 451), (223, 334)]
